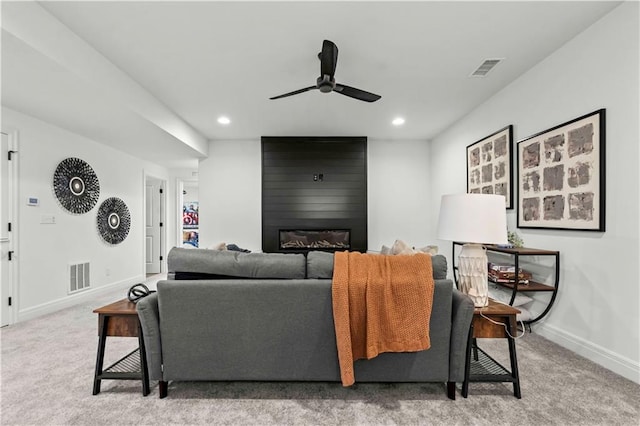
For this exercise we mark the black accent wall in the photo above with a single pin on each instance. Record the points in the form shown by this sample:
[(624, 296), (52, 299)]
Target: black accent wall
[(314, 183)]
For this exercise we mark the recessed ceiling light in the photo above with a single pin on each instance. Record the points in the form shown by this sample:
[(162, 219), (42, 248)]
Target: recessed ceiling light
[(224, 120), (398, 121)]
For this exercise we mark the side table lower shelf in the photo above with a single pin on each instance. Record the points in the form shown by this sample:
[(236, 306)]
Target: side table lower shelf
[(127, 367), (487, 369)]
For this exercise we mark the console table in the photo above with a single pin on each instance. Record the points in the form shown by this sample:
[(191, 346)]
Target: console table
[(480, 367), (120, 319), (515, 254)]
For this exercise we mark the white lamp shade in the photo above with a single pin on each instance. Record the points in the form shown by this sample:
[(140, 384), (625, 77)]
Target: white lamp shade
[(473, 218)]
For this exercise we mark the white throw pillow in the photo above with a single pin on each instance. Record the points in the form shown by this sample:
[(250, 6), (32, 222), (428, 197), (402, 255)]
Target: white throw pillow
[(400, 247), (432, 250), (220, 246)]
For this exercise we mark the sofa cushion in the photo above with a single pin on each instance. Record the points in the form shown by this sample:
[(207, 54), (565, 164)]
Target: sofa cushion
[(236, 264), (320, 265), (439, 263)]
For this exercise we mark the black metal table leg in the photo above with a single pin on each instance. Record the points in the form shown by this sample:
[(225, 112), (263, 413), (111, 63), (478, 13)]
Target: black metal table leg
[(475, 348), (143, 363), (102, 340), (163, 388), (467, 365), (514, 362)]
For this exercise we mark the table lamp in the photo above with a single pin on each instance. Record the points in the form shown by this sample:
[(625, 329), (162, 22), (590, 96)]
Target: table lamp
[(473, 219)]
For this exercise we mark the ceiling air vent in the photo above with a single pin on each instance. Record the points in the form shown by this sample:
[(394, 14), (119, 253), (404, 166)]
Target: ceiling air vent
[(485, 67)]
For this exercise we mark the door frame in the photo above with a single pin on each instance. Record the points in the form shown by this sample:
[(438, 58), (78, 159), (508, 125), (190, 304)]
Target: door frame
[(13, 140), (163, 215)]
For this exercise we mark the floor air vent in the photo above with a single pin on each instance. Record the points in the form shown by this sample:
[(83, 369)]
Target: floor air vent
[(79, 277), (485, 67)]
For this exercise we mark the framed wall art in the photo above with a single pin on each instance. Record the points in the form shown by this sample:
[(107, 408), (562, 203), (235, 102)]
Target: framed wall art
[(561, 176), (490, 165)]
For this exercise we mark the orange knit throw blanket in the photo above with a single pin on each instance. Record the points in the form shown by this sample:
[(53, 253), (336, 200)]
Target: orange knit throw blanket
[(380, 304)]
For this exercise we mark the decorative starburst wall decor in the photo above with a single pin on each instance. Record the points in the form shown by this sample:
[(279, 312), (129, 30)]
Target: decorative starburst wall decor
[(76, 185), (113, 220)]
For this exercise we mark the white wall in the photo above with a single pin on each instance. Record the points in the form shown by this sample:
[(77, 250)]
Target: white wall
[(191, 189), (597, 310), (398, 191), (45, 250), (230, 184)]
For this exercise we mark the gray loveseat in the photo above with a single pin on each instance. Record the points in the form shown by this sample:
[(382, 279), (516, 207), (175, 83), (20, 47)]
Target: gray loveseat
[(229, 316)]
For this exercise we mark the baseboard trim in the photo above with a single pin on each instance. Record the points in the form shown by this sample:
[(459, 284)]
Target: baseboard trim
[(610, 360), (74, 299)]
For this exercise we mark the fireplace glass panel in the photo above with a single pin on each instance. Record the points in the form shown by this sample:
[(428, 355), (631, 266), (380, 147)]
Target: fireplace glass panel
[(302, 239)]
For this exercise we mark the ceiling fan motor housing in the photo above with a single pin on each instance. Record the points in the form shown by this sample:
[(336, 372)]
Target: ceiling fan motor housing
[(325, 83)]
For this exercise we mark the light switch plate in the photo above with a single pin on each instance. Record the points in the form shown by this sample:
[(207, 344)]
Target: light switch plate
[(48, 219)]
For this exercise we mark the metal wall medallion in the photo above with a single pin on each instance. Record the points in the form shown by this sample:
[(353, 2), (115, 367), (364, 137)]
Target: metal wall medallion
[(114, 220), (76, 185)]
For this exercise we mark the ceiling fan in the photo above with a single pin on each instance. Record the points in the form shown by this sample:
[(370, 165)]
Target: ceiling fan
[(327, 83)]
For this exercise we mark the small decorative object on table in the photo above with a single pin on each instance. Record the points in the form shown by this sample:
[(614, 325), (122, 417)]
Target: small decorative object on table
[(507, 274), (514, 239), (138, 291)]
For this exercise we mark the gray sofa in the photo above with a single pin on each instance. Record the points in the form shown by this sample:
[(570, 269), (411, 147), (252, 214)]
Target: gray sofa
[(229, 316)]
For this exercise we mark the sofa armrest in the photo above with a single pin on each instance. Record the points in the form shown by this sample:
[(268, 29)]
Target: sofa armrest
[(147, 308), (461, 316)]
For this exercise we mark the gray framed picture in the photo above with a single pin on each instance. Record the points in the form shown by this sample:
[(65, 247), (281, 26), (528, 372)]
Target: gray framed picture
[(561, 176), (490, 165)]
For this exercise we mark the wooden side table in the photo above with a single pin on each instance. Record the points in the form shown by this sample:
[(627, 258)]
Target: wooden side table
[(120, 319), (481, 367)]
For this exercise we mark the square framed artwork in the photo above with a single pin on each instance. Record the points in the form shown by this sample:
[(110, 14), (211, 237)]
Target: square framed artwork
[(490, 165), (561, 176)]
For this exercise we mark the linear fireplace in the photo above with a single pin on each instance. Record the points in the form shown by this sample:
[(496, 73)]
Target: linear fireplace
[(311, 186), (312, 239)]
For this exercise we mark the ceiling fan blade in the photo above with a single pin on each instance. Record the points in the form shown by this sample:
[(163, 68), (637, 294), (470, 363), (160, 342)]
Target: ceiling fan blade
[(295, 92), (352, 92), (328, 58)]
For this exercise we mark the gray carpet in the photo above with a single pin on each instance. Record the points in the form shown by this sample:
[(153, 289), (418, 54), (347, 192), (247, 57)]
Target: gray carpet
[(48, 364)]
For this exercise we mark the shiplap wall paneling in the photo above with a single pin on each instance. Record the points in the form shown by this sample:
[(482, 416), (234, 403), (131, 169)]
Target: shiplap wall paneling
[(314, 183)]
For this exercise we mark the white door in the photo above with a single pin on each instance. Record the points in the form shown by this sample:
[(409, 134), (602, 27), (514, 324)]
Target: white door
[(153, 226), (5, 236)]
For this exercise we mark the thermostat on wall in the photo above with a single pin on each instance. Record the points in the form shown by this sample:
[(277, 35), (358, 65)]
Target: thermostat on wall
[(33, 201)]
